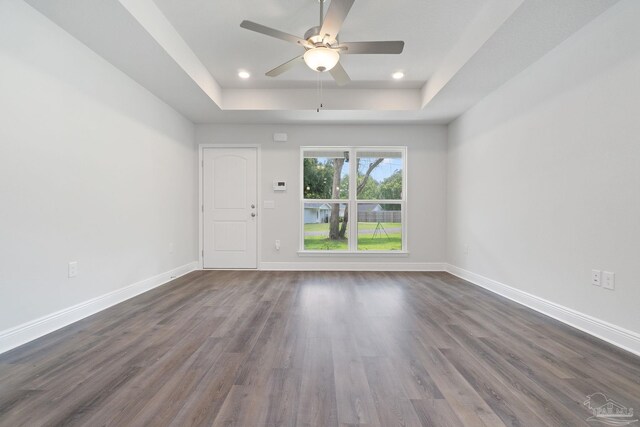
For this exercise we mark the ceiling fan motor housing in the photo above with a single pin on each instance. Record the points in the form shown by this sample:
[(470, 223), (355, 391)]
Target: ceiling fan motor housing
[(312, 32), (313, 35)]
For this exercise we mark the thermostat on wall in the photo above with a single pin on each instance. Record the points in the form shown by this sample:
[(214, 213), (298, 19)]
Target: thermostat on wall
[(279, 185)]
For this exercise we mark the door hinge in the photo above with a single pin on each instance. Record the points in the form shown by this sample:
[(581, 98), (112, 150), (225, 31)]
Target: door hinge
[(202, 163), (203, 253), (202, 208)]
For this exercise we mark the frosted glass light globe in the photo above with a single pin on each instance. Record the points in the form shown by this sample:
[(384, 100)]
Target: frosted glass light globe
[(321, 58)]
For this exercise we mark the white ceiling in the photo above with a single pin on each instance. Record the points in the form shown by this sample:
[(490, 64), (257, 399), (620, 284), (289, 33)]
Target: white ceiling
[(212, 29), (188, 53)]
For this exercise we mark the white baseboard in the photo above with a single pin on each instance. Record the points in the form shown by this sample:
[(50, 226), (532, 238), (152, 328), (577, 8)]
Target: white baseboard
[(21, 334), (620, 337), (352, 266)]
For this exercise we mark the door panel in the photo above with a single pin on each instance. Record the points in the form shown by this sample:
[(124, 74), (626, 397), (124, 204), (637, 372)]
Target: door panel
[(230, 207), (230, 236), (227, 196)]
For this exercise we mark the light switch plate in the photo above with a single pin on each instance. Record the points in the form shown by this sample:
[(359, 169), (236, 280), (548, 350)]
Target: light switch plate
[(596, 277), (608, 280), (269, 204), (73, 268)]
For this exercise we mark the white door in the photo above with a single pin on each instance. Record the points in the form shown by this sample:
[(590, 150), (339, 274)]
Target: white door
[(230, 207)]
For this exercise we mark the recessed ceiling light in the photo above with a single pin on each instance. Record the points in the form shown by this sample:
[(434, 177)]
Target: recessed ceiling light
[(244, 75), (397, 75)]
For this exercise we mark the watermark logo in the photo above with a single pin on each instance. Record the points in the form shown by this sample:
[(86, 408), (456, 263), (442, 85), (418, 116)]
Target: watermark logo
[(608, 411)]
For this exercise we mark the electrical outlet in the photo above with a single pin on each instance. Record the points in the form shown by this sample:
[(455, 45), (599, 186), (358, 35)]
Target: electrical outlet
[(277, 245), (73, 268), (608, 280), (596, 277)]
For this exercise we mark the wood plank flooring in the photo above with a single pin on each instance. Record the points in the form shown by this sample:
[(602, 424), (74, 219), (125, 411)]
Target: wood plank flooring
[(248, 348)]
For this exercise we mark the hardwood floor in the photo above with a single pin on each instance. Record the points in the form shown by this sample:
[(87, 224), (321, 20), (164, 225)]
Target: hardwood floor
[(247, 348)]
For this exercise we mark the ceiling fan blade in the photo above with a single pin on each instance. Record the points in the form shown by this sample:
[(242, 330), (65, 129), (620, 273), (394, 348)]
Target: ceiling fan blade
[(338, 10), (252, 26), (340, 75), (285, 67), (389, 47)]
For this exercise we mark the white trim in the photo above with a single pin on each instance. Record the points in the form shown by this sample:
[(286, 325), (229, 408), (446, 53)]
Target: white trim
[(353, 266), (29, 331), (352, 253), (620, 337), (201, 148)]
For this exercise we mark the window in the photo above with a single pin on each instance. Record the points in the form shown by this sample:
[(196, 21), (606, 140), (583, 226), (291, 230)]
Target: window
[(353, 199)]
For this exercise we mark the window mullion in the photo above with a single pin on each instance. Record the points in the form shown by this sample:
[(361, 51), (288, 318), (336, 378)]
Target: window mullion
[(301, 204), (353, 208)]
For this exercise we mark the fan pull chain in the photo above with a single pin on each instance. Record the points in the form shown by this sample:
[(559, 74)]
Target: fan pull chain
[(319, 93)]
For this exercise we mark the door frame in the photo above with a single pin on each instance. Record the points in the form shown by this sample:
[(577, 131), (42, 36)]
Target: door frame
[(201, 148)]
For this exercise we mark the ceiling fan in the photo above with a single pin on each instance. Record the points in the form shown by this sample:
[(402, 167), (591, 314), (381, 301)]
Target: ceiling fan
[(322, 48)]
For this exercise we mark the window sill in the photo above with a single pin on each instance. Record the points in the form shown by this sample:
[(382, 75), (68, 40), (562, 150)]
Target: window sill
[(354, 253)]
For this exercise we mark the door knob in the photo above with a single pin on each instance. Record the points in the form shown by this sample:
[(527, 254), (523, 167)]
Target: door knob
[(253, 214), (253, 206)]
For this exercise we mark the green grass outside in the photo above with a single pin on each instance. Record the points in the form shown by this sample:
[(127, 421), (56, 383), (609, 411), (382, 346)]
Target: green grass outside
[(366, 242), (320, 243), (384, 243), (317, 227)]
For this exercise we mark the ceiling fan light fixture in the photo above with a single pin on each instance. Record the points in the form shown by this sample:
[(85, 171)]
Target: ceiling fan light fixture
[(321, 58)]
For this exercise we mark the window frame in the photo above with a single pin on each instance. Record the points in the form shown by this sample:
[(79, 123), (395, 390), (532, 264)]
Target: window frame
[(352, 201)]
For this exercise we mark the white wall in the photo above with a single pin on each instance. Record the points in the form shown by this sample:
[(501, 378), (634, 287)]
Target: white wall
[(93, 168), (426, 162), (544, 174)]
